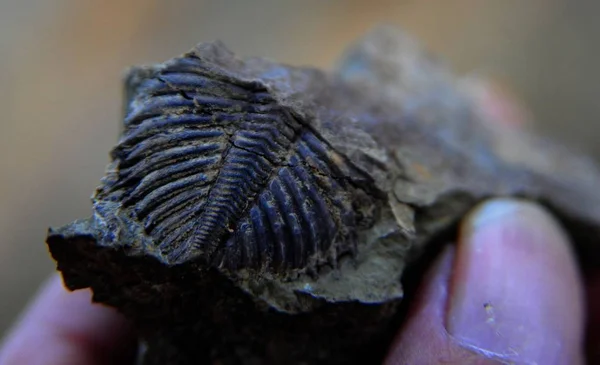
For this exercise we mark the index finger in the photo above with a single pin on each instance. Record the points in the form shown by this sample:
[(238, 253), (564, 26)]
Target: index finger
[(61, 327)]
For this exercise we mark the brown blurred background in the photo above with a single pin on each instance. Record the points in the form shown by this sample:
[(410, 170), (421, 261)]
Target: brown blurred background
[(61, 61)]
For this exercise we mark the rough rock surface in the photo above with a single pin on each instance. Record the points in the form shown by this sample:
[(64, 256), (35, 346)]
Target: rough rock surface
[(257, 213)]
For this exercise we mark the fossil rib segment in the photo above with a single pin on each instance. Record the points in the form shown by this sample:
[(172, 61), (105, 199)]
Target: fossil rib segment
[(257, 213), (213, 165)]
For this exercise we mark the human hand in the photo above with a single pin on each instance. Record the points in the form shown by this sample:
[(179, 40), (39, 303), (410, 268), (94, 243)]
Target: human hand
[(508, 293), (65, 328)]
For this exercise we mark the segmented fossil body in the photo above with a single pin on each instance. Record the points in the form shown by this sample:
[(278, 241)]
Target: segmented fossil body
[(256, 213), (214, 168)]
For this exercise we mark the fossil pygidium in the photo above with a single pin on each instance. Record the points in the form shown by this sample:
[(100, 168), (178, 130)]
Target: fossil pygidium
[(214, 168), (260, 213)]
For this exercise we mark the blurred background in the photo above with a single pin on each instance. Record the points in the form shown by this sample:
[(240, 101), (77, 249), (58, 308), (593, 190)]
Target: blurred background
[(61, 63)]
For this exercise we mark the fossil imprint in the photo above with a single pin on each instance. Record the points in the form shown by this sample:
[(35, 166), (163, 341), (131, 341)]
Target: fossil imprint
[(213, 167), (260, 213)]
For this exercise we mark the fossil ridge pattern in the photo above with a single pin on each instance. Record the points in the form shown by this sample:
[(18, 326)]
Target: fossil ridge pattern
[(258, 213), (213, 165)]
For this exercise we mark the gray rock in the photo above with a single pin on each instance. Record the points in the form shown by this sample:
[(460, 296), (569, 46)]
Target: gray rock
[(257, 213)]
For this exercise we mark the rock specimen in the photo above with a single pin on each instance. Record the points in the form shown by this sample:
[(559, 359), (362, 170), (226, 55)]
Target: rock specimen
[(256, 213)]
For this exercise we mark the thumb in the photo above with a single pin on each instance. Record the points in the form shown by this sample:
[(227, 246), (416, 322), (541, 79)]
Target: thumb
[(510, 293)]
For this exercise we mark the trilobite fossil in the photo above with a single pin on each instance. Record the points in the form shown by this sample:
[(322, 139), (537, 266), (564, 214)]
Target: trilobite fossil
[(261, 213), (212, 166)]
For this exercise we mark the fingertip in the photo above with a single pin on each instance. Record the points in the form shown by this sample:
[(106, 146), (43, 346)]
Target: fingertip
[(496, 103), (516, 293), (509, 293)]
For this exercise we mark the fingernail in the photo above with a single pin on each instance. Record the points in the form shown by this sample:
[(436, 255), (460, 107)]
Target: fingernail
[(516, 294)]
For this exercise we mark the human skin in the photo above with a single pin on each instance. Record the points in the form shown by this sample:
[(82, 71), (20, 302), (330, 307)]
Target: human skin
[(509, 291)]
